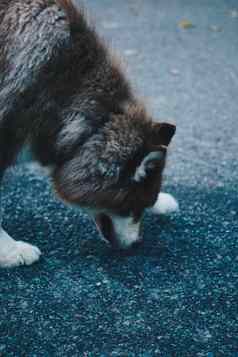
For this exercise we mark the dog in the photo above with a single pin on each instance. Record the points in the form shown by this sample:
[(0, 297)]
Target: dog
[(64, 94)]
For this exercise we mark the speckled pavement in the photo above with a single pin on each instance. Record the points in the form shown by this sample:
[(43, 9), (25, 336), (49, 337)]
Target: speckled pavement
[(178, 296)]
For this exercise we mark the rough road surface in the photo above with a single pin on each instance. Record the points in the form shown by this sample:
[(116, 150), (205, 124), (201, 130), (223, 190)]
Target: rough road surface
[(178, 296)]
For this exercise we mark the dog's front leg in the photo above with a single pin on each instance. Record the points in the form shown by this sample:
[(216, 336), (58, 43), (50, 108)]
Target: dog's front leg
[(14, 253)]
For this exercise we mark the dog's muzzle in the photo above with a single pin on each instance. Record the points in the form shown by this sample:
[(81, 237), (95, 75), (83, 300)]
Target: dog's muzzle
[(108, 233)]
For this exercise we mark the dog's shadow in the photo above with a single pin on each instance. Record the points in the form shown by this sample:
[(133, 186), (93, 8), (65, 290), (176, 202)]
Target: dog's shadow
[(74, 245), (68, 239), (155, 253)]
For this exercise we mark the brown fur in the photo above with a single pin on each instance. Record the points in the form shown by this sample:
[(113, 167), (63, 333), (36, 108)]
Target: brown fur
[(62, 92)]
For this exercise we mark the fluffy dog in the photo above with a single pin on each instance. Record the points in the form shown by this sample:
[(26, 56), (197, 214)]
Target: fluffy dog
[(63, 94)]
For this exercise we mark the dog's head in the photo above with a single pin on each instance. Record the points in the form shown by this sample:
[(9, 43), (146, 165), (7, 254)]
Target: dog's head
[(117, 174)]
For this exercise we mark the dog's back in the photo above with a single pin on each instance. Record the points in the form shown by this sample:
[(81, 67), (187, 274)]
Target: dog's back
[(32, 36), (3, 5), (48, 55)]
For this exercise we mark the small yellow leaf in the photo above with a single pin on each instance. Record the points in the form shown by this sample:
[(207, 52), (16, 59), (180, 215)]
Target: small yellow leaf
[(186, 24)]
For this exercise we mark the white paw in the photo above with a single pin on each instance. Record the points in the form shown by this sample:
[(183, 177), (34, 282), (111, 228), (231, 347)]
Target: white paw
[(165, 204), (18, 253)]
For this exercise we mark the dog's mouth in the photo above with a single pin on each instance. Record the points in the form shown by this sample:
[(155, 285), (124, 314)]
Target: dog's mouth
[(105, 226), (108, 233)]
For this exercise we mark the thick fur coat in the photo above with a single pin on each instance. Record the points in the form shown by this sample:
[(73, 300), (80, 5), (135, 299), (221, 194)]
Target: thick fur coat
[(63, 93)]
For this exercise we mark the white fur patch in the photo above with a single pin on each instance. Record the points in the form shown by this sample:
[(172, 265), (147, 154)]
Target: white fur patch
[(165, 204), (140, 173), (14, 253), (127, 232)]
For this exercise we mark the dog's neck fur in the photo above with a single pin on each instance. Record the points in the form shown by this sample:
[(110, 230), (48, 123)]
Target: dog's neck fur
[(88, 88)]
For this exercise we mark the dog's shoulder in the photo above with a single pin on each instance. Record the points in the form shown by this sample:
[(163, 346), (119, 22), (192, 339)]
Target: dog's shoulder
[(34, 36), (32, 33)]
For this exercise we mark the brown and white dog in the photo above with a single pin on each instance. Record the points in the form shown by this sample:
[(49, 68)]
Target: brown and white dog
[(63, 94)]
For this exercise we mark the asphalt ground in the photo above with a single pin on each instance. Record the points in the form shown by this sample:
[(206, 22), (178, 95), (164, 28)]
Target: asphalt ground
[(178, 295)]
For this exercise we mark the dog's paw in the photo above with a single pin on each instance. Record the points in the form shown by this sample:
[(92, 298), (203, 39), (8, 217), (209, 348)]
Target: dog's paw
[(165, 204), (20, 253)]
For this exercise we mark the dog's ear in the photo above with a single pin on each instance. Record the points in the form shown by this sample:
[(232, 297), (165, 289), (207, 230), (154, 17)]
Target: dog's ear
[(151, 162), (162, 133)]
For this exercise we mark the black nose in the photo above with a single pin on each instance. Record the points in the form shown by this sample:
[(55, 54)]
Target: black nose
[(132, 249), (136, 244)]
